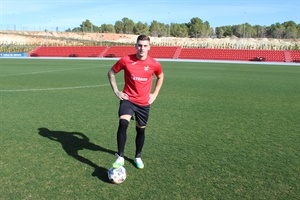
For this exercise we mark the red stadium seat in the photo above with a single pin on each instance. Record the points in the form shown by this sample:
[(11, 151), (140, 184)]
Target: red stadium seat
[(170, 52), (231, 54), (68, 51)]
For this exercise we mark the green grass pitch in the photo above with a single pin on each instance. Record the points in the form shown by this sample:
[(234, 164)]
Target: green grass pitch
[(216, 131)]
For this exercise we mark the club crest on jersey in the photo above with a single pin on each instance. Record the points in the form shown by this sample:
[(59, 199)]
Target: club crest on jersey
[(146, 68)]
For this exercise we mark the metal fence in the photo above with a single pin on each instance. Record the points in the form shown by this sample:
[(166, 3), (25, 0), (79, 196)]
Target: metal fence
[(24, 27)]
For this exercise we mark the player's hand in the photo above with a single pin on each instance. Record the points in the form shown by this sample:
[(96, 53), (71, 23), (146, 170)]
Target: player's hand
[(152, 98), (121, 95)]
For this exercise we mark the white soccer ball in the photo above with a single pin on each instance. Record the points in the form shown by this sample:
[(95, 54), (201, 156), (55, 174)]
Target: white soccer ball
[(117, 176)]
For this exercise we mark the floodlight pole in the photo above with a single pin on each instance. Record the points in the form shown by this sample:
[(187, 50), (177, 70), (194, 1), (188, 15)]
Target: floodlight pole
[(169, 34), (47, 36), (101, 35), (244, 30), (100, 32), (13, 17), (48, 20)]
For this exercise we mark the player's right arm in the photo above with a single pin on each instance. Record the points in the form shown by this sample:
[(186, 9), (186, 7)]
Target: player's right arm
[(113, 83)]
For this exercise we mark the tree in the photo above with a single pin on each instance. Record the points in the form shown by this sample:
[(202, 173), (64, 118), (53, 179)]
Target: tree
[(198, 28), (158, 29), (260, 31), (195, 27), (119, 27), (87, 26), (76, 29), (249, 31), (128, 25), (227, 31), (298, 30), (238, 30), (206, 30), (220, 32), (107, 28), (179, 30), (141, 28), (276, 30), (290, 29)]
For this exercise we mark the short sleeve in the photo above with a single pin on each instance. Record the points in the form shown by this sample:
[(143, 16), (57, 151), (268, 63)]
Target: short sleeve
[(119, 65), (158, 69)]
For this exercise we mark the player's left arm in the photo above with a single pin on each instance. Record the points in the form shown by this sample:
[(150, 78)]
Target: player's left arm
[(158, 84)]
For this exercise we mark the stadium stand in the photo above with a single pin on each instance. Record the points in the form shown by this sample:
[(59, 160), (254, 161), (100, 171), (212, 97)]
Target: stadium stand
[(162, 51), (68, 51), (288, 56), (295, 56), (119, 51), (156, 51), (170, 52), (232, 54)]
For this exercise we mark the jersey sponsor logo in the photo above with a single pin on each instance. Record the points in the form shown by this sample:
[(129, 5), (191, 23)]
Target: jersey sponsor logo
[(137, 78)]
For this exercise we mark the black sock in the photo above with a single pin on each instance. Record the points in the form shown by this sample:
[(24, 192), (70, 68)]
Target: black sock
[(122, 136), (139, 141)]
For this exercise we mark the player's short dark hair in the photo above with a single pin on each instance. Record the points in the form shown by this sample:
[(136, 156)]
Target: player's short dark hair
[(143, 37)]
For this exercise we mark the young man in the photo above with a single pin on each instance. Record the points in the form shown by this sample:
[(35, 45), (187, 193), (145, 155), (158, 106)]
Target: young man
[(136, 97)]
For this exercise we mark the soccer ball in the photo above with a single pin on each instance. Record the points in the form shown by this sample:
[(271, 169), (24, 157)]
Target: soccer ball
[(118, 175)]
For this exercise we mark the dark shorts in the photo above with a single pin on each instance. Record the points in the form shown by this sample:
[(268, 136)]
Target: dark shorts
[(141, 112)]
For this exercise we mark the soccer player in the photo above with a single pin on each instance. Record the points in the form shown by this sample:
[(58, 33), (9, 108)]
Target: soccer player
[(137, 95)]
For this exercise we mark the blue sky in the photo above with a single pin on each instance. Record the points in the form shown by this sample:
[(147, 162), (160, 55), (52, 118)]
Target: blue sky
[(71, 13)]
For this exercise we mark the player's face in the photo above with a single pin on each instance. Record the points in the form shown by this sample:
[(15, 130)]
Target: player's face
[(142, 48)]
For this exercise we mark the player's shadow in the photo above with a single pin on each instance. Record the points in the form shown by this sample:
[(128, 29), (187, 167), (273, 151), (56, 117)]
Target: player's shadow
[(72, 142)]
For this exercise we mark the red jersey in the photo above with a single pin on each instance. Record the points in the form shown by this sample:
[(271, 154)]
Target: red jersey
[(138, 75)]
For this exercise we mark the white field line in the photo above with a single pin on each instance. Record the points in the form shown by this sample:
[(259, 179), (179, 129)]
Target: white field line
[(61, 88), (49, 71), (51, 89), (104, 85)]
